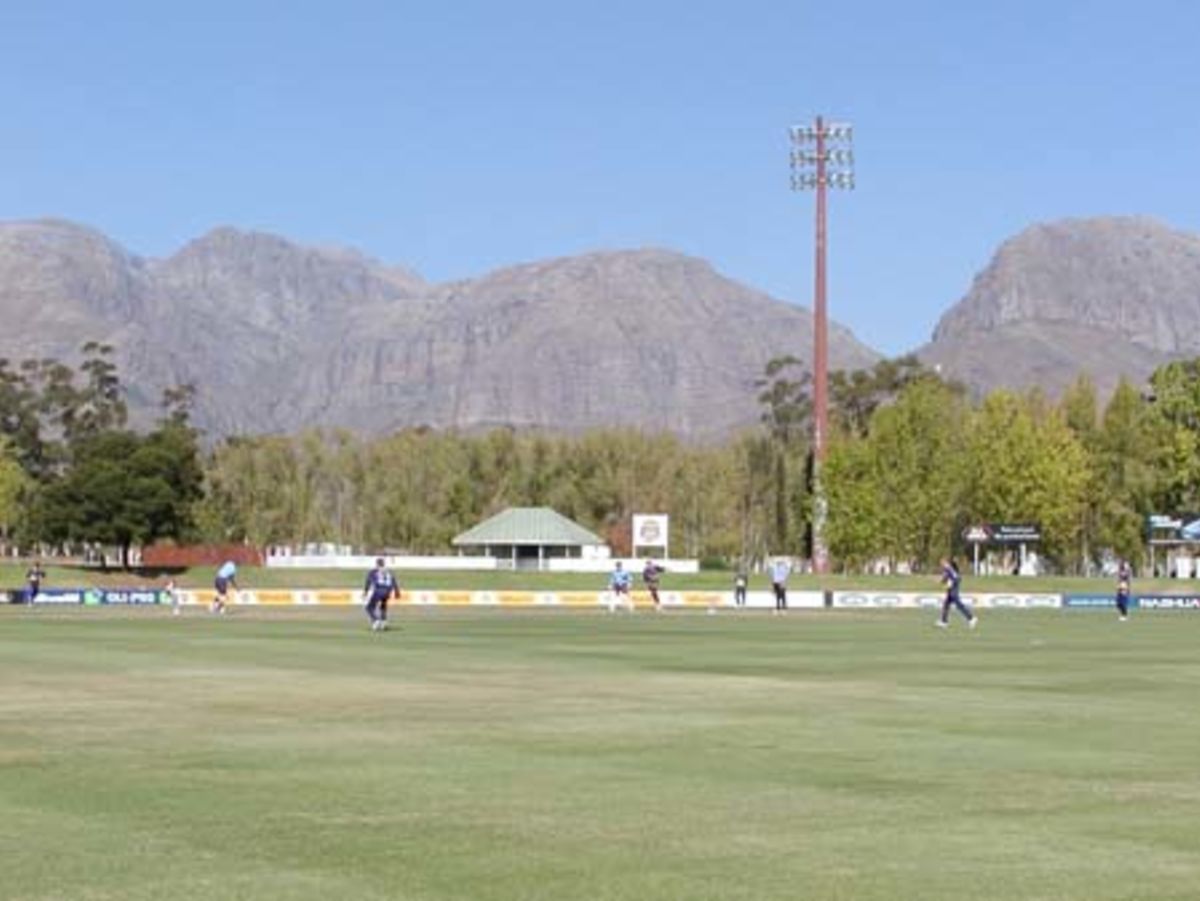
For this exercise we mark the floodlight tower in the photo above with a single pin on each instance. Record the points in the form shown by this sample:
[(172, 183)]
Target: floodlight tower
[(822, 158)]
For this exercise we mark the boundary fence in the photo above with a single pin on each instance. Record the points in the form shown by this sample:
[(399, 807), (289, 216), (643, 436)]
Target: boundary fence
[(755, 600)]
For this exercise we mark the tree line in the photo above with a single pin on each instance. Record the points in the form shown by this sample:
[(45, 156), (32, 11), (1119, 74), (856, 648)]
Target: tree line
[(73, 473), (912, 461)]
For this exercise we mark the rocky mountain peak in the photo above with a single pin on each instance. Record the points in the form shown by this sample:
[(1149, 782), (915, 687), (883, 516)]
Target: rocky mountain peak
[(1129, 275), (52, 260)]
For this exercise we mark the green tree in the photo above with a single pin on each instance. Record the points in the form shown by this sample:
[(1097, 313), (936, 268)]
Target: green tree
[(1025, 465), (855, 396), (787, 415), (1130, 447), (786, 402), (1175, 420), (123, 489), (20, 422), (919, 444), (852, 527), (1079, 408), (13, 485)]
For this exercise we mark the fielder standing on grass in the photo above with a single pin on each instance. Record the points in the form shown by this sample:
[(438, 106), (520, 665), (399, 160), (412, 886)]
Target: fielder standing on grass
[(380, 588), (226, 578), (952, 579), (1124, 580), (33, 581), (618, 586), (780, 570)]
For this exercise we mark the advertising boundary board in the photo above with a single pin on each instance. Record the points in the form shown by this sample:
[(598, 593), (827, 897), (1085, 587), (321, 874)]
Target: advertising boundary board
[(677, 600), (914, 600), (671, 600), (1141, 601), (92, 597), (1168, 601), (1093, 602)]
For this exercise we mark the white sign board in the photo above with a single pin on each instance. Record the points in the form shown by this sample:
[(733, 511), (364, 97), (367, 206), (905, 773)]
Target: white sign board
[(650, 530)]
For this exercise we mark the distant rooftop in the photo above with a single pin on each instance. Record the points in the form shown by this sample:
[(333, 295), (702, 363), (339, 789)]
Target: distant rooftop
[(527, 525)]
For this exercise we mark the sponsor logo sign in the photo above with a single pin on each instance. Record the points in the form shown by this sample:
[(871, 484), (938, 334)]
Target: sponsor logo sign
[(884, 600), (1168, 601), (1089, 601), (134, 596), (277, 598), (1017, 601), (330, 598), (515, 598), (1184, 527), (912, 600), (1015, 533), (650, 530), (1003, 533), (59, 596)]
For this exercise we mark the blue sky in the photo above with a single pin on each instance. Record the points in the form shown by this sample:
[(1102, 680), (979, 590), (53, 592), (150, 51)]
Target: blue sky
[(456, 137)]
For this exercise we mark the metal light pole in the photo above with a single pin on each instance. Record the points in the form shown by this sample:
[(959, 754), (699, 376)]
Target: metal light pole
[(822, 158)]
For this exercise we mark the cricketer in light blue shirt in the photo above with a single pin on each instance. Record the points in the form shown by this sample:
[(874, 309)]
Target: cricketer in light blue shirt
[(225, 578), (620, 580)]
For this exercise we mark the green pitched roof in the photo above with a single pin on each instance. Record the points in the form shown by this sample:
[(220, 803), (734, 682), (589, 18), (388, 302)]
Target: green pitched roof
[(527, 525)]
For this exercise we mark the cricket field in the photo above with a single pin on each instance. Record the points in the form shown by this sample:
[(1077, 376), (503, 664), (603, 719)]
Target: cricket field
[(483, 754)]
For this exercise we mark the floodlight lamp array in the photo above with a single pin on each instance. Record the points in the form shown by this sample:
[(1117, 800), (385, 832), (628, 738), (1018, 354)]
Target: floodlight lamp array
[(838, 157), (808, 181), (826, 148), (831, 132)]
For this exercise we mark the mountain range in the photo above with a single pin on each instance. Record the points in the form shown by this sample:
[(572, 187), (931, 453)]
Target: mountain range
[(278, 336)]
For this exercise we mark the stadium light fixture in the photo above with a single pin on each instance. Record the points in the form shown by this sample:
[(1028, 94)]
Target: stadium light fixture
[(822, 157)]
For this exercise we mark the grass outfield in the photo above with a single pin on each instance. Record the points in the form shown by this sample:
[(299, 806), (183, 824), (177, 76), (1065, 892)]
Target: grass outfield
[(499, 755)]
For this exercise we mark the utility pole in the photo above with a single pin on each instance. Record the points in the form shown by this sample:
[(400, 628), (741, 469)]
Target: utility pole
[(822, 158)]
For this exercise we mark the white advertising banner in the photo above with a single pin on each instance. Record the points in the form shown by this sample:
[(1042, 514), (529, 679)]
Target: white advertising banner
[(882, 600)]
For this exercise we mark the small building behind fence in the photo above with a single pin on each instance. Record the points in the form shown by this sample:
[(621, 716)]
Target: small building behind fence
[(530, 538)]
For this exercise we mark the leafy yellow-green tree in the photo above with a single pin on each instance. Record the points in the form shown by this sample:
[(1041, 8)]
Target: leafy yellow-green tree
[(1175, 416), (852, 489), (919, 445), (1079, 406), (13, 485), (1026, 465), (1130, 443)]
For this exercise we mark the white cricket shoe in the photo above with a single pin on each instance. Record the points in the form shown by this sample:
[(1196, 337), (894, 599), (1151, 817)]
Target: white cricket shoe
[(973, 622), (941, 625)]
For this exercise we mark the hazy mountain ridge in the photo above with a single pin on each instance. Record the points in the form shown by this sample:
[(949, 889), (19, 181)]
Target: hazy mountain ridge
[(1110, 297), (278, 336)]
